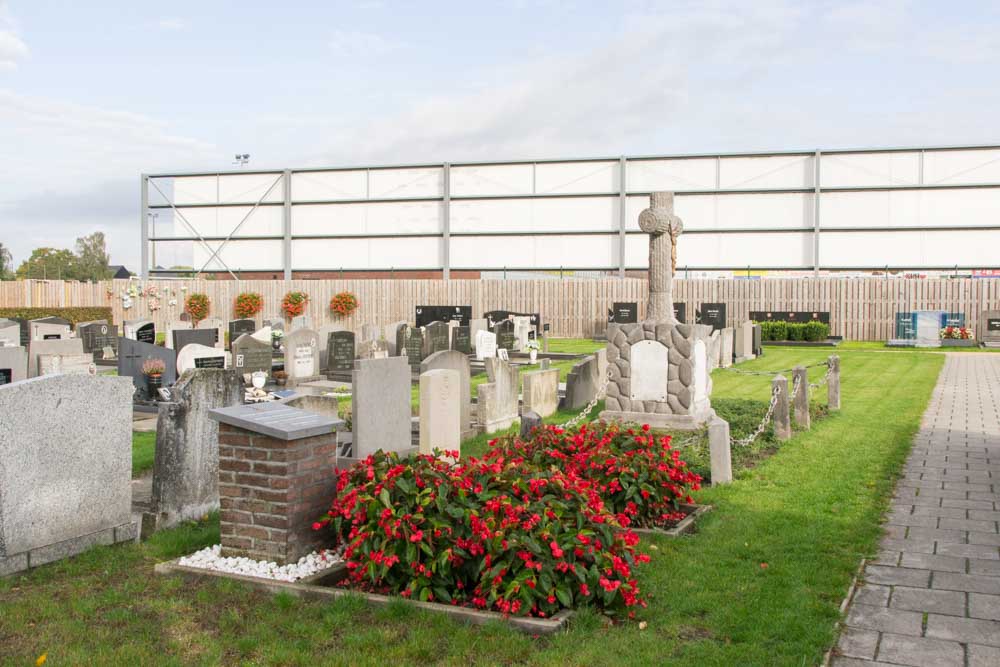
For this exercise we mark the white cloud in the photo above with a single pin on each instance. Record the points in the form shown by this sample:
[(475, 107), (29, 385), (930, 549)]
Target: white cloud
[(356, 43), (171, 24), (12, 47)]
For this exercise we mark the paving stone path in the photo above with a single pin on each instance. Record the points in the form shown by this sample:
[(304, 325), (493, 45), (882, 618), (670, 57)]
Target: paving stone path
[(932, 597)]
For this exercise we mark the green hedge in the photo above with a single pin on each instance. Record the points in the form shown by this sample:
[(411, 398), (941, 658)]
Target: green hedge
[(807, 331), (74, 315)]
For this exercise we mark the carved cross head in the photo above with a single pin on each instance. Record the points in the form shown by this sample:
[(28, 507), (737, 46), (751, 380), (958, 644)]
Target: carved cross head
[(659, 218)]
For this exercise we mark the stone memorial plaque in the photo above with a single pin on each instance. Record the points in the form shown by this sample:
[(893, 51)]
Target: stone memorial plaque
[(624, 312), (276, 420), (210, 362), (251, 355), (340, 351), (183, 337), (239, 327), (505, 335), (98, 336), (648, 371), (953, 320), (713, 314), (993, 326), (461, 340), (427, 314)]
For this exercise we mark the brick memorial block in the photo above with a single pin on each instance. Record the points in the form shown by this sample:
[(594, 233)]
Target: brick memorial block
[(276, 476)]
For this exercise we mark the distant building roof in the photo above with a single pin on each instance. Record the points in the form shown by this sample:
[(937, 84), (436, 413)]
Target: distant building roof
[(119, 272)]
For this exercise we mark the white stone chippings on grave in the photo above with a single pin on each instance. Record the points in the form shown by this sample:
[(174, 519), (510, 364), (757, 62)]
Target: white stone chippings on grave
[(211, 558)]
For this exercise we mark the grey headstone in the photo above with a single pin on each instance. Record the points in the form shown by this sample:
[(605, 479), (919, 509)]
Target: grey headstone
[(302, 356), (66, 447), (455, 361), (176, 325), (496, 407), (381, 405), (324, 340), (540, 390), (410, 343), (10, 332), (370, 332), (40, 347), (49, 328), (13, 364), (436, 336), (50, 364), (215, 325), (239, 327), (475, 326), (200, 356), (98, 335), (184, 337), (250, 355), (582, 383), (529, 420), (505, 335), (131, 355), (340, 352), (460, 340), (302, 322), (186, 467), (391, 334), (276, 323)]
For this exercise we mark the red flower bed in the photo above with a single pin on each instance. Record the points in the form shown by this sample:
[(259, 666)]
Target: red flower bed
[(495, 534), (642, 480)]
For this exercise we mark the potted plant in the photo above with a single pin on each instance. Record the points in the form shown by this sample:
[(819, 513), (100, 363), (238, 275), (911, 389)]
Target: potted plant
[(153, 370), (198, 307), (957, 337), (248, 304), (280, 378), (343, 304), (276, 337), (532, 350), (294, 304)]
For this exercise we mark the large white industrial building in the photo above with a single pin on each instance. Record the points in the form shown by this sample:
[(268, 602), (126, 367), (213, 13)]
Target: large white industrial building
[(931, 208)]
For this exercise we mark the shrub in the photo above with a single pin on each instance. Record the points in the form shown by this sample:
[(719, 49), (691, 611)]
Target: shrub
[(816, 331), (774, 331), (197, 306), (74, 315), (294, 304), (248, 304), (493, 534), (796, 330), (641, 479), (343, 304)]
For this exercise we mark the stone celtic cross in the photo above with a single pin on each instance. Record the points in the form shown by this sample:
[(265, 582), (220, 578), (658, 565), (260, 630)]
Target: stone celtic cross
[(663, 228)]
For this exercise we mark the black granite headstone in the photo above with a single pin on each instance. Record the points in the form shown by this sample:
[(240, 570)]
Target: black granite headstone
[(98, 336), (505, 335), (210, 362), (427, 314), (340, 351), (713, 314), (146, 333), (993, 324), (461, 339), (5, 375), (184, 337), (624, 312), (680, 311), (131, 355), (435, 338), (239, 327), (413, 344)]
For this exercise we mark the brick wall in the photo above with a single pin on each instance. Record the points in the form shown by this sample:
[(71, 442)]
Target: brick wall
[(271, 491)]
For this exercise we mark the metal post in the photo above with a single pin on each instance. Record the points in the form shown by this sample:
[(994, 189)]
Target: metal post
[(816, 195), (144, 225), (286, 226), (446, 223), (622, 212)]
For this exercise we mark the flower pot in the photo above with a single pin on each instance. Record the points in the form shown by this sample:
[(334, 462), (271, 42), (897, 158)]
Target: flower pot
[(154, 382), (958, 342)]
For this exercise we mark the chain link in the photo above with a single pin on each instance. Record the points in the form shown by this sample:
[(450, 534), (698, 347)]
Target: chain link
[(744, 442), (601, 391)]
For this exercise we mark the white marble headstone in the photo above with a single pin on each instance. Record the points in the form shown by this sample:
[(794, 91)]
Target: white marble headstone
[(648, 371), (486, 345), (522, 331), (201, 356)]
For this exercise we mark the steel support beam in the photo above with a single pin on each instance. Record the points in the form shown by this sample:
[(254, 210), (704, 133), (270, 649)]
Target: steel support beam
[(816, 195), (286, 226), (144, 225), (622, 213), (446, 222)]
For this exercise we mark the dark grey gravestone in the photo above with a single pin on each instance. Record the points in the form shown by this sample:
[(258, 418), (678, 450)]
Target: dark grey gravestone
[(239, 327), (97, 336), (146, 333), (713, 314), (505, 335), (25, 330), (6, 375), (461, 340), (276, 420), (435, 338), (251, 355), (680, 312), (529, 420), (210, 362), (131, 354), (184, 337), (758, 346), (906, 326), (410, 341), (340, 351), (624, 312)]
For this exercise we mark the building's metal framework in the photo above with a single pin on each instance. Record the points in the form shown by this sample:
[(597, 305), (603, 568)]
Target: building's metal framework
[(860, 209)]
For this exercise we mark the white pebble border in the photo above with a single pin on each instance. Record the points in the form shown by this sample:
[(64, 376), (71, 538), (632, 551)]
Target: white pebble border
[(210, 558)]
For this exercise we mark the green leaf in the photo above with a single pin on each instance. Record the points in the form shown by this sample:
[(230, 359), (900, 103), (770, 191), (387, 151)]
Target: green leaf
[(384, 497), (442, 594), (564, 596)]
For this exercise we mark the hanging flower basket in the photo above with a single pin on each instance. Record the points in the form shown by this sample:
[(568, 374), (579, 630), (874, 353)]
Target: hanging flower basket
[(248, 304), (197, 306), (343, 304), (294, 304)]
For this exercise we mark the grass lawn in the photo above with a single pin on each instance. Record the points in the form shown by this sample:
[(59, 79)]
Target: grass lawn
[(759, 584), (143, 452)]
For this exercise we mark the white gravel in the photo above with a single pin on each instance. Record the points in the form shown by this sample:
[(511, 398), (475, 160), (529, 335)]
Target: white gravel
[(210, 558)]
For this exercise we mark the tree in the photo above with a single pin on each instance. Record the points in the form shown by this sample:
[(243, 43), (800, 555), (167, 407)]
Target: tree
[(50, 264), (6, 264), (92, 258)]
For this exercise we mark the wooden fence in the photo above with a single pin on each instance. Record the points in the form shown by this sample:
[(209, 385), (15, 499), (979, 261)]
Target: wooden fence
[(860, 308)]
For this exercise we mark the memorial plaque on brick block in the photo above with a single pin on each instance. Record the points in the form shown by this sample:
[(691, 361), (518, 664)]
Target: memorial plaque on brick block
[(427, 314), (624, 312), (340, 351), (96, 337), (505, 335), (713, 314), (461, 340), (680, 311), (184, 337), (239, 327)]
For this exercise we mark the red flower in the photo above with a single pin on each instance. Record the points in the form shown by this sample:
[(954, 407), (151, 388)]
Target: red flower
[(417, 536), (584, 591)]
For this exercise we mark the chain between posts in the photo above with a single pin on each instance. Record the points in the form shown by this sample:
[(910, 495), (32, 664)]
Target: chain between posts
[(601, 391)]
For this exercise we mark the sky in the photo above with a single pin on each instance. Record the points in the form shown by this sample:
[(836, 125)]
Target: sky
[(92, 94)]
